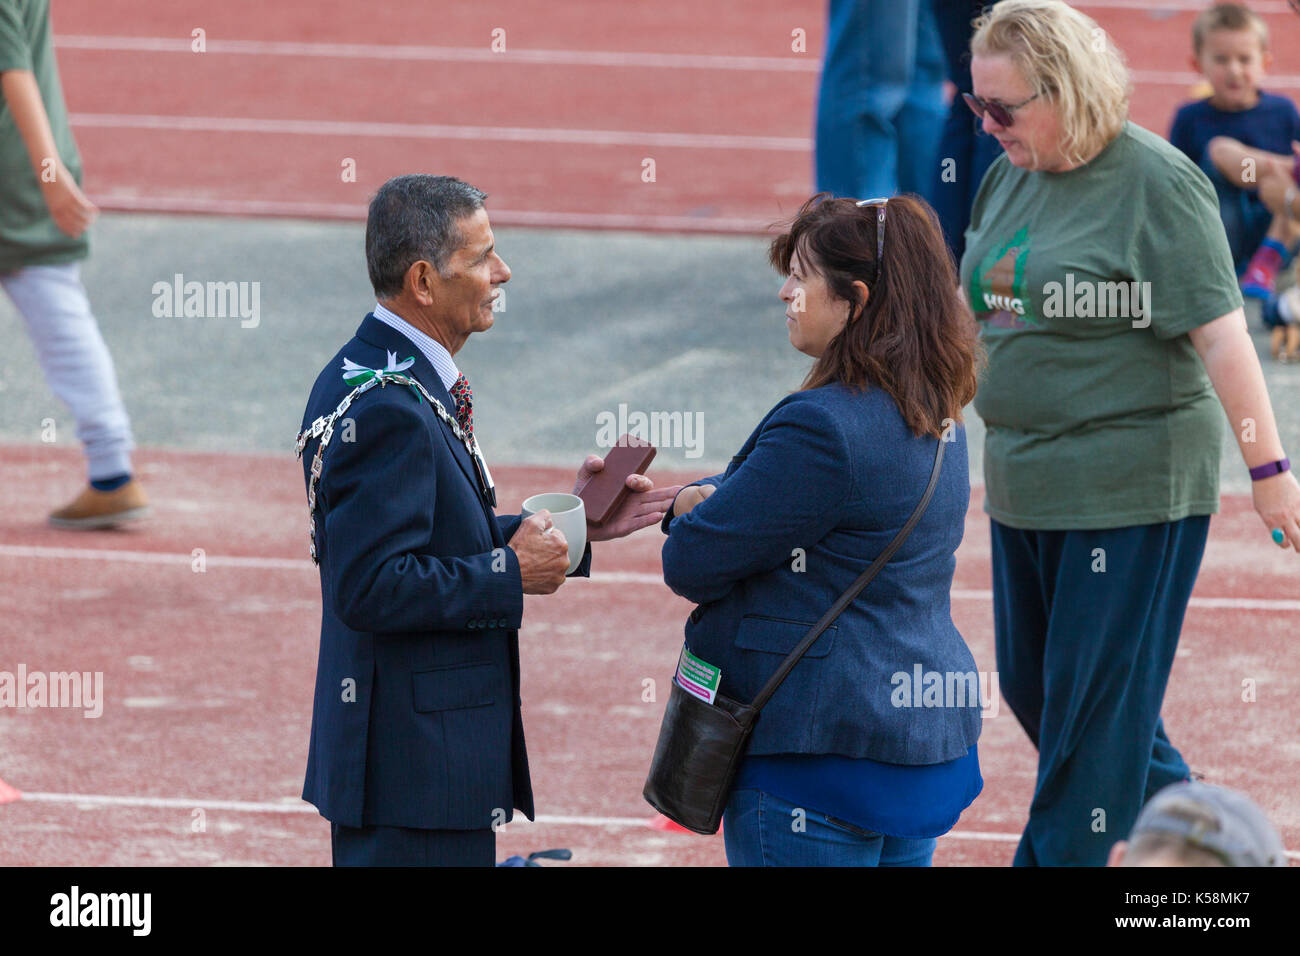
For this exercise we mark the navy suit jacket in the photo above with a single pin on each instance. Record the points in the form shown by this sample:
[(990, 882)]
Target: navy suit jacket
[(820, 488), (416, 721)]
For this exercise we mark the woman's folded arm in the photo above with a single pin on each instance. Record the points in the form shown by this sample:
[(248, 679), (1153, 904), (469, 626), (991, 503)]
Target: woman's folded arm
[(786, 494)]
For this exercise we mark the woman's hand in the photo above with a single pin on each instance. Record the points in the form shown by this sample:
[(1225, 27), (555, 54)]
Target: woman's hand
[(689, 497), (640, 509), (1277, 500)]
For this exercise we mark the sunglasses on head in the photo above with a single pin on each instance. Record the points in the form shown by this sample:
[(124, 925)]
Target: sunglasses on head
[(1001, 112), (880, 205)]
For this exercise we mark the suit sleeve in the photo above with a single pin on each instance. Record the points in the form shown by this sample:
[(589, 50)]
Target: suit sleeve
[(381, 495), (787, 494)]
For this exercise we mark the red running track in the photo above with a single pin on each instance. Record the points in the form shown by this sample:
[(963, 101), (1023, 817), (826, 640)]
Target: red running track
[(208, 678), (556, 127)]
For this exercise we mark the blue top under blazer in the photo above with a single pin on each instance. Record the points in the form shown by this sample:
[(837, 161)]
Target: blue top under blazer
[(820, 488)]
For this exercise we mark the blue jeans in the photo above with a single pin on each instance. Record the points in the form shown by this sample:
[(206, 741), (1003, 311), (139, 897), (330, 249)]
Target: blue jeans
[(760, 829), (880, 109), (965, 150)]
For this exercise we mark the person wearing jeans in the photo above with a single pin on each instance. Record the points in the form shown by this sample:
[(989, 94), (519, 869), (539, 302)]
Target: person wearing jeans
[(850, 762), (880, 105), (43, 220)]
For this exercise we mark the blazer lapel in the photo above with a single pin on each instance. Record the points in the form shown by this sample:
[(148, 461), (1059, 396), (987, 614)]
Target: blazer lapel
[(384, 336)]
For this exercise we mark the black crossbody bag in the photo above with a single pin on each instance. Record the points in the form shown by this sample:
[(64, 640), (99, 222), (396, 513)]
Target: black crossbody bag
[(701, 744)]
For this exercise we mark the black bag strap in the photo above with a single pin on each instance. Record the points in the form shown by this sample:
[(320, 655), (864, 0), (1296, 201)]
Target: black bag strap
[(854, 590)]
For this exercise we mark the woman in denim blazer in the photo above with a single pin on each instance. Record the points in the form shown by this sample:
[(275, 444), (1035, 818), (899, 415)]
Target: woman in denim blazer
[(867, 752)]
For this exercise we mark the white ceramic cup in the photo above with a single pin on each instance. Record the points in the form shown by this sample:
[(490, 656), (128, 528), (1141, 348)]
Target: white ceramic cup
[(567, 514)]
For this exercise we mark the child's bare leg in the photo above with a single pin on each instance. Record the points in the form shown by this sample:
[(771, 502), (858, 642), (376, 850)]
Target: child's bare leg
[(1285, 229), (1243, 165)]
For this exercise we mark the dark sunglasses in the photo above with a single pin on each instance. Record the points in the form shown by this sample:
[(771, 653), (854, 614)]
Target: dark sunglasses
[(880, 205), (1001, 112)]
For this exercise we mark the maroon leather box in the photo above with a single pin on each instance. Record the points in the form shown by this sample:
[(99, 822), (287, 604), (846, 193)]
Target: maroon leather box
[(602, 495)]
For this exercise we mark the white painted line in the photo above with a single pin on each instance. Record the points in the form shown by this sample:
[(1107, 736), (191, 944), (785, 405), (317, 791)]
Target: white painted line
[(438, 131), (151, 557), (168, 803), (592, 58), (240, 806), (126, 202), (607, 577), (794, 63)]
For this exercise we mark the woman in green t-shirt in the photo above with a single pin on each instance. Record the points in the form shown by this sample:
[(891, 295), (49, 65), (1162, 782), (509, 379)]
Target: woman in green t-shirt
[(1098, 268)]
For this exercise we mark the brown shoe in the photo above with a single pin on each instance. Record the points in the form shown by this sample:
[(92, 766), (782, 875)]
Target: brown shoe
[(103, 509)]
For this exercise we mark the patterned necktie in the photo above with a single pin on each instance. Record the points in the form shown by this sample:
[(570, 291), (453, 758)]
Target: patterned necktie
[(464, 397)]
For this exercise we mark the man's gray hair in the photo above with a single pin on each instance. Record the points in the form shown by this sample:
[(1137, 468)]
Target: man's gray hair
[(412, 218)]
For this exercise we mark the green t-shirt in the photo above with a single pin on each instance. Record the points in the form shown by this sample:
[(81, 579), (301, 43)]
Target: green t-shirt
[(1085, 283), (28, 236)]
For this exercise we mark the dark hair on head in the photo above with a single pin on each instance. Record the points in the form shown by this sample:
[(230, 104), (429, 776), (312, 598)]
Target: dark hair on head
[(415, 218), (915, 337)]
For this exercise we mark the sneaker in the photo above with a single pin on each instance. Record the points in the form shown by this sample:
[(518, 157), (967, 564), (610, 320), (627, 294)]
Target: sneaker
[(1260, 277), (103, 509)]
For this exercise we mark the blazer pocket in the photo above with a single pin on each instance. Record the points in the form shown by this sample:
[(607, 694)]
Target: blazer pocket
[(774, 635), (454, 688)]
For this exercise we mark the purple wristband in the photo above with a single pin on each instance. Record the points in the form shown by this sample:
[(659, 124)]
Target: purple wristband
[(1260, 472)]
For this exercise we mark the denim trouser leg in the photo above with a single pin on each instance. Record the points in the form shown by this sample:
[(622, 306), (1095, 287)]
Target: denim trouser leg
[(966, 149), (760, 829), (866, 79), (1083, 659), (920, 123)]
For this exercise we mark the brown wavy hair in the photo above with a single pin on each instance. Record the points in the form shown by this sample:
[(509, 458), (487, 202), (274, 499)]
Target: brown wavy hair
[(915, 337)]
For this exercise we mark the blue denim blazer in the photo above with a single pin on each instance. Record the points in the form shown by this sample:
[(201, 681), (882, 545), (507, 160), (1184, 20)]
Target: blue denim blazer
[(820, 488)]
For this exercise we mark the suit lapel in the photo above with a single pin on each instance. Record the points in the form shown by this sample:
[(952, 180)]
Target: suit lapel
[(380, 335)]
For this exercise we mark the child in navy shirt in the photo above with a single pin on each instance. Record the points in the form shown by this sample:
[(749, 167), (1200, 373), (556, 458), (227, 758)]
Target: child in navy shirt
[(1234, 134)]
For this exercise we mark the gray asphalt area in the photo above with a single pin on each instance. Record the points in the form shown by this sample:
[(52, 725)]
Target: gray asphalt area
[(597, 328)]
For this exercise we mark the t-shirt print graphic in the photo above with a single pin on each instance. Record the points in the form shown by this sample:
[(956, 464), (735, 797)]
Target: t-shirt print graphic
[(998, 290)]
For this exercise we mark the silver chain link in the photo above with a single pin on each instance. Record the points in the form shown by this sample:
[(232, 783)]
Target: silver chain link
[(323, 428)]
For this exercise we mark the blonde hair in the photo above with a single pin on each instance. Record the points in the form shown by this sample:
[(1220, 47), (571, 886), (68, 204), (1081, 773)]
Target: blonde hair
[(1227, 16), (1069, 61)]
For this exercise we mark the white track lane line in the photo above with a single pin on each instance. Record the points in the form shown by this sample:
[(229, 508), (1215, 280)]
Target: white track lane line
[(240, 806), (438, 131), (1281, 605), (794, 63), (126, 202)]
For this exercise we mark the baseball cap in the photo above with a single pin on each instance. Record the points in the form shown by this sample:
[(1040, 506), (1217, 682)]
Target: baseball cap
[(1243, 836)]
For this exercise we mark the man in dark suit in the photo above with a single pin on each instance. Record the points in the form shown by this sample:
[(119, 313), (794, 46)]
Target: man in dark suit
[(417, 748)]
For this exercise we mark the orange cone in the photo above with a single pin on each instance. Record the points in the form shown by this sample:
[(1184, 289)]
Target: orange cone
[(661, 822)]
